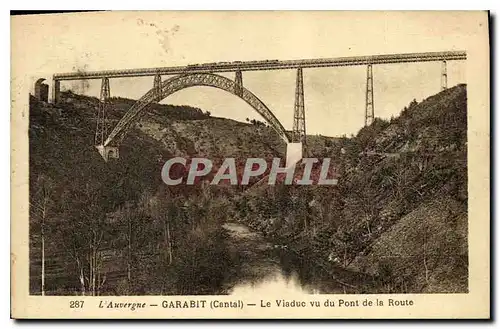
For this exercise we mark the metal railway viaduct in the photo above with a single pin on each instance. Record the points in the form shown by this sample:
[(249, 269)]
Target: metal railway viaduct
[(181, 77)]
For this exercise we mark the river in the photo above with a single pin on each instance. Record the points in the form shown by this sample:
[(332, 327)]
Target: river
[(265, 266)]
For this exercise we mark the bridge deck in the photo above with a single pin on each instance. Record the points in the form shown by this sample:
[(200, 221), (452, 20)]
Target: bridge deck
[(268, 65)]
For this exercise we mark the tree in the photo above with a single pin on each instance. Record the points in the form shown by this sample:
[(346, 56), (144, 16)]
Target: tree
[(425, 251), (84, 231), (364, 201), (133, 234), (41, 204), (125, 218), (162, 210)]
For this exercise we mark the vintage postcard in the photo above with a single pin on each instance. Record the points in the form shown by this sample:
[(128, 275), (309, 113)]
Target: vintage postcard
[(322, 165)]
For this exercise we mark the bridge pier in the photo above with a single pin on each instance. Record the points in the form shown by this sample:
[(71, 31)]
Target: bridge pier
[(108, 152), (293, 154), (238, 87), (157, 87), (369, 107), (299, 115), (101, 124), (41, 90), (56, 90), (444, 76)]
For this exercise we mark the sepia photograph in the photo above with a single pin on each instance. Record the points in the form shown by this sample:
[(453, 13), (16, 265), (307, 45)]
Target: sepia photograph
[(302, 160)]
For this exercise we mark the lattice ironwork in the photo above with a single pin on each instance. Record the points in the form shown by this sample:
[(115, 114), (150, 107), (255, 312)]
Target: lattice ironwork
[(177, 83), (444, 76), (269, 65), (299, 115), (238, 79), (101, 123), (157, 87), (369, 107)]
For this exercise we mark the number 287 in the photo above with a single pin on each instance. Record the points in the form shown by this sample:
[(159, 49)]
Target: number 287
[(76, 304)]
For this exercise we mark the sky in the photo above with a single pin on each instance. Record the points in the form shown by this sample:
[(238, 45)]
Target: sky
[(334, 97)]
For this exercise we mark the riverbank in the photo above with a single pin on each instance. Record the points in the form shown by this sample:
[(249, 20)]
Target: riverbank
[(261, 264)]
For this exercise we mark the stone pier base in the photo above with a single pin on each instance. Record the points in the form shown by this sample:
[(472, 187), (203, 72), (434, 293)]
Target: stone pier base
[(108, 152), (293, 153)]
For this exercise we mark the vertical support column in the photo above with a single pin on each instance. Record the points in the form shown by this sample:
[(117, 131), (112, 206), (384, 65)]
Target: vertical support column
[(238, 79), (444, 76), (369, 108), (299, 116), (157, 87), (56, 89), (101, 133), (101, 126)]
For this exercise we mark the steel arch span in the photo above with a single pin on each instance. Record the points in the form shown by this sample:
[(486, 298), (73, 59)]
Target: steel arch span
[(174, 84)]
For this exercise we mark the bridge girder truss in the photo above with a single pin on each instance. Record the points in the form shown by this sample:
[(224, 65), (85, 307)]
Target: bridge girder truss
[(180, 82), (268, 65)]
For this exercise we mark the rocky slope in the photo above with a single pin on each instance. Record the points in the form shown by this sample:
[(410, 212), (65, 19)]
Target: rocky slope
[(84, 193), (398, 214)]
